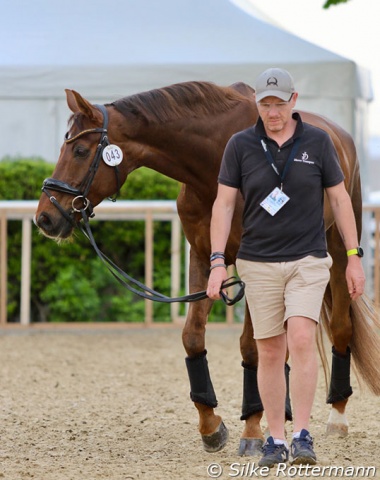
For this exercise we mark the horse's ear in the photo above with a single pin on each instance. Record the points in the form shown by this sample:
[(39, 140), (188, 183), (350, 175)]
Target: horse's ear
[(77, 103)]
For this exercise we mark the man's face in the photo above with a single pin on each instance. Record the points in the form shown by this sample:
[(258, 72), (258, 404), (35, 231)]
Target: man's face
[(275, 113)]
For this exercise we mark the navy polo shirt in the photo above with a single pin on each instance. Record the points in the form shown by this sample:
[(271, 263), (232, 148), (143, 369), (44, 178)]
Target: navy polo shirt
[(297, 229)]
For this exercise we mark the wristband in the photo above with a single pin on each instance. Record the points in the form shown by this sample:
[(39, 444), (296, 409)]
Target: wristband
[(218, 265), (355, 251), (216, 255)]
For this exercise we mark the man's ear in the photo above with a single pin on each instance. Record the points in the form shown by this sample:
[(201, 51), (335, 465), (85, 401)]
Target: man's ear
[(294, 98)]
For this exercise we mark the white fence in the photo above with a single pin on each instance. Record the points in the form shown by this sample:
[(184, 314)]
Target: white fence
[(371, 227), (148, 211)]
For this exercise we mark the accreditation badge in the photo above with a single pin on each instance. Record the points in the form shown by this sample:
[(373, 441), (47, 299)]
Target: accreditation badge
[(274, 201)]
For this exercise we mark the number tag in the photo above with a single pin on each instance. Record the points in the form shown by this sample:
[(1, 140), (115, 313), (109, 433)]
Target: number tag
[(112, 155)]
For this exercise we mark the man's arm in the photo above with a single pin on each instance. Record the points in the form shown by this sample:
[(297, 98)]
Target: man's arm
[(345, 220), (222, 213)]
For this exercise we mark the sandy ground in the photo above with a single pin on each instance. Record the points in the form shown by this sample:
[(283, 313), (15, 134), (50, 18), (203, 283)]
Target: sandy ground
[(113, 404)]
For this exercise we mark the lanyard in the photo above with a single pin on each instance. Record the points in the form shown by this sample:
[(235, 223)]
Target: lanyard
[(269, 157)]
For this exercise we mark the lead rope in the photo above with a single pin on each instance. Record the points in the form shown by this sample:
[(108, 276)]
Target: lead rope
[(145, 292)]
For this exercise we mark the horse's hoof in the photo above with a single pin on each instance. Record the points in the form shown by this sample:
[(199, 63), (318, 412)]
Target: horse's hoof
[(217, 440), (337, 429), (250, 447), (337, 424)]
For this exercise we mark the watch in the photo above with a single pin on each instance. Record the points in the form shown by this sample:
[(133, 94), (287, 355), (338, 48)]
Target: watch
[(355, 251)]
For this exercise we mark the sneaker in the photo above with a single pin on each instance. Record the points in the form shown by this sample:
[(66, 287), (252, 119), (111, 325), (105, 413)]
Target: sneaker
[(302, 450), (273, 454)]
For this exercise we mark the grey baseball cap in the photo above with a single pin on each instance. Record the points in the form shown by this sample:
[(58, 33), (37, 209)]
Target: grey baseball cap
[(274, 82)]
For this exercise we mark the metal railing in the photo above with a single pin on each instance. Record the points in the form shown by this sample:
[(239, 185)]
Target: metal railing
[(148, 211)]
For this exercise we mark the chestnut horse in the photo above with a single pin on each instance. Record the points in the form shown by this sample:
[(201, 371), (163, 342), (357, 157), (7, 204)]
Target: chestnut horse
[(181, 131)]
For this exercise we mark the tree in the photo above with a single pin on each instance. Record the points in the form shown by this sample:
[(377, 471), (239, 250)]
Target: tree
[(333, 2)]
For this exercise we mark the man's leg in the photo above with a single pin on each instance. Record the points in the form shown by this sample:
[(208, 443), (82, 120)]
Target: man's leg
[(271, 382), (303, 383), (302, 346)]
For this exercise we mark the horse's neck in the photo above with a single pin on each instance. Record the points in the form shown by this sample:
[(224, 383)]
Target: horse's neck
[(177, 152), (188, 150)]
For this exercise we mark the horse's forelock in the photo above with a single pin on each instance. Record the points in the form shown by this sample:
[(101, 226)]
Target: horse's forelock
[(75, 118), (191, 99)]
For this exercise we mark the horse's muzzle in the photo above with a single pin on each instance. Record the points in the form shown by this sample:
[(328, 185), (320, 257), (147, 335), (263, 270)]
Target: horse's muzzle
[(54, 227)]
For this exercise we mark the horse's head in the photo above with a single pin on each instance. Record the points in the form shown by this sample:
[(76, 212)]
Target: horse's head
[(84, 175)]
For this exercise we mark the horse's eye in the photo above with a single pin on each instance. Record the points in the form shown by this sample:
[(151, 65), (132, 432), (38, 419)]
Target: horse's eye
[(81, 152)]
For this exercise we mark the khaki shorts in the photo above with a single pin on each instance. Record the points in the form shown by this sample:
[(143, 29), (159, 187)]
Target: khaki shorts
[(280, 290)]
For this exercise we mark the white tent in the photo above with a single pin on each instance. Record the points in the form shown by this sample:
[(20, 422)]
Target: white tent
[(107, 50)]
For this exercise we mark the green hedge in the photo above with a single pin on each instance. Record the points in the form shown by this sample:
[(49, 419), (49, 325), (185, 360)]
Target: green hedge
[(69, 283)]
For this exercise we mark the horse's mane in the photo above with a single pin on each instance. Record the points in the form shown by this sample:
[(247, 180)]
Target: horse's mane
[(188, 99)]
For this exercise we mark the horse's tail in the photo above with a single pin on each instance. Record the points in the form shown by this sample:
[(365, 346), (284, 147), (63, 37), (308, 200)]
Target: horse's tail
[(365, 341)]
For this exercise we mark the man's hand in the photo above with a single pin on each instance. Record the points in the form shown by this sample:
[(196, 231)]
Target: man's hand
[(355, 277), (217, 277)]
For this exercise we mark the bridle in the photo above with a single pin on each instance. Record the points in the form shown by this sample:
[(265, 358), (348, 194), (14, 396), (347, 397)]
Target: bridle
[(80, 201), (81, 204)]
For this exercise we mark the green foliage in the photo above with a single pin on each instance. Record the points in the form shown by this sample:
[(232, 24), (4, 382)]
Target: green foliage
[(329, 3), (69, 283), (21, 179), (62, 294)]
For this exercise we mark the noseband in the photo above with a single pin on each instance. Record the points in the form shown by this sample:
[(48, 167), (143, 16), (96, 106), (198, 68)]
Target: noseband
[(80, 202)]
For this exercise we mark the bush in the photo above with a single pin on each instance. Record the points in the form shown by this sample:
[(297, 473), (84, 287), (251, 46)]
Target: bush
[(68, 282)]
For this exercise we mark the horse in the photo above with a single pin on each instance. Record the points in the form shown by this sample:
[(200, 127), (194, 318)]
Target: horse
[(181, 131)]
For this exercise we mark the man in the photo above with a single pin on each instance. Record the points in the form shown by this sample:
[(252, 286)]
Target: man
[(282, 166)]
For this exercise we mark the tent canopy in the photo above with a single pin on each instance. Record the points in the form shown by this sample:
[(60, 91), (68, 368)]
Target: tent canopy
[(107, 50), (153, 32)]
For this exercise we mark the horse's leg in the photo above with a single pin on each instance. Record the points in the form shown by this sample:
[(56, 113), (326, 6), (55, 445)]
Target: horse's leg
[(340, 388), (252, 438), (211, 427), (341, 333)]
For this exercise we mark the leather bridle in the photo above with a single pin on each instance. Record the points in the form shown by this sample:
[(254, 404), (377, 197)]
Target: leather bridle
[(80, 201)]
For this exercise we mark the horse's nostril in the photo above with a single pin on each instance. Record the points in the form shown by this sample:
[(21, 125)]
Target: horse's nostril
[(51, 227), (43, 221)]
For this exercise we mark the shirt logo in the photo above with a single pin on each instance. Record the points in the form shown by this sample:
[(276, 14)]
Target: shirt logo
[(304, 159)]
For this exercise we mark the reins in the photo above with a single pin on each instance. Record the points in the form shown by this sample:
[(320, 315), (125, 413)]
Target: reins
[(145, 292), (82, 205)]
